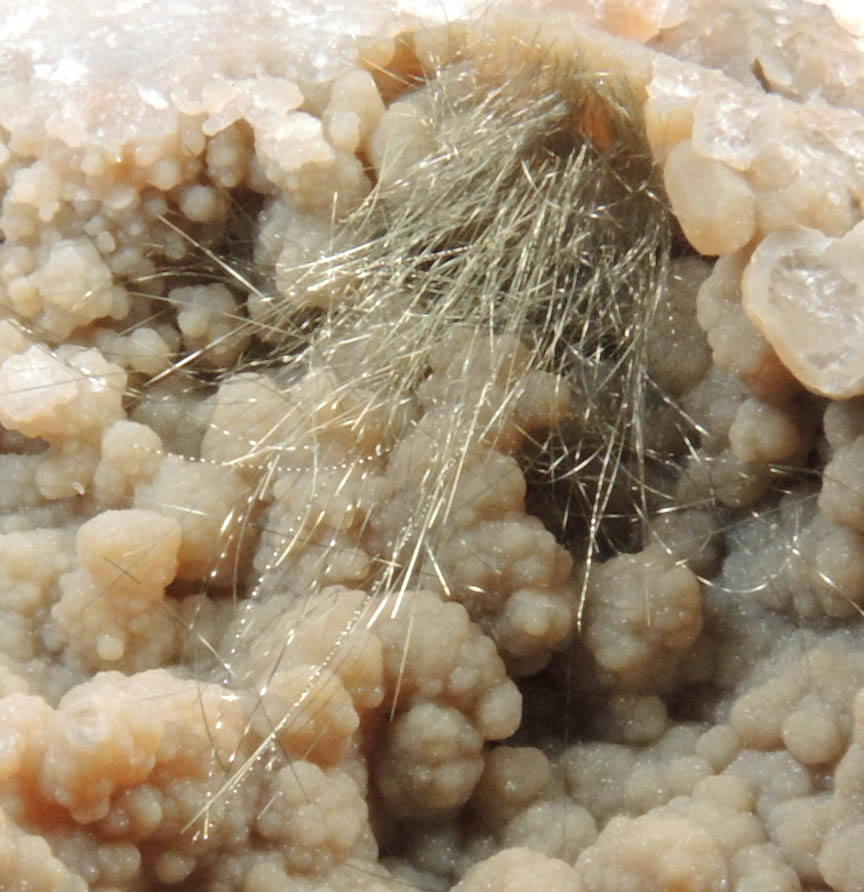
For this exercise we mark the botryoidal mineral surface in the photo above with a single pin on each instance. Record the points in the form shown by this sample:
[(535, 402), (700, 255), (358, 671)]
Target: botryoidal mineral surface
[(278, 607)]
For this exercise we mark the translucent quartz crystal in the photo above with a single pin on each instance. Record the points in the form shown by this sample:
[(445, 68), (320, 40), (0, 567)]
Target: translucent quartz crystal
[(805, 291)]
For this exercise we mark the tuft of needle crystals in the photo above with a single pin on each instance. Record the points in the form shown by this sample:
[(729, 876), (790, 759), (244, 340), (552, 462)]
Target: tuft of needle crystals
[(474, 334), (530, 231)]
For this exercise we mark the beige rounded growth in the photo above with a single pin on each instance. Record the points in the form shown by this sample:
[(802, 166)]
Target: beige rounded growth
[(804, 291), (715, 205)]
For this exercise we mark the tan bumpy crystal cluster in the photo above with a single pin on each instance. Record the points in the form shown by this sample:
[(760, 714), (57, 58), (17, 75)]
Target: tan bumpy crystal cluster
[(431, 446)]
